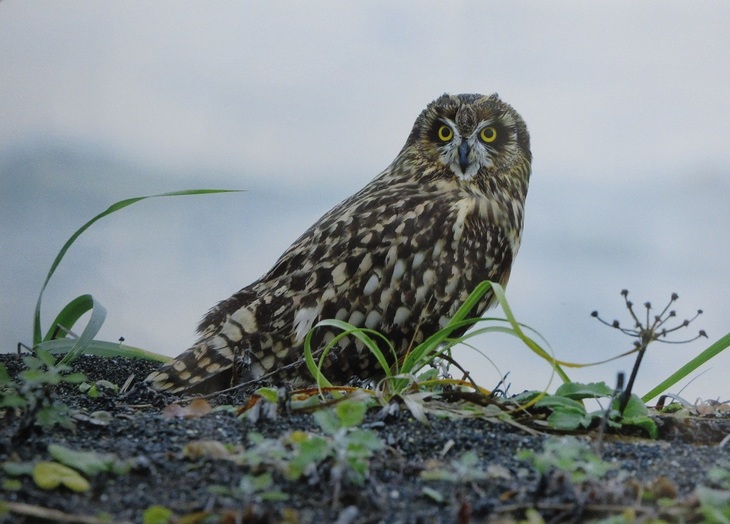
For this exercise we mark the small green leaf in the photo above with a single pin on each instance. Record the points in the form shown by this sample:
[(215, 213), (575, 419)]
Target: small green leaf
[(311, 451), (720, 475), (74, 378), (11, 485), (263, 481), (714, 504), (49, 416), (434, 495), (557, 402), (13, 400), (525, 397), (157, 515), (270, 394), (45, 357), (16, 469), (364, 439), (568, 420), (4, 375), (274, 496), (50, 475), (350, 412), (634, 408), (38, 377), (88, 462), (646, 424), (579, 391), (327, 420), (637, 414)]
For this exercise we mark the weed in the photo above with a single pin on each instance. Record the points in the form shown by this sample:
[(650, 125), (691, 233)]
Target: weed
[(568, 412), (67, 468), (252, 488), (714, 498), (350, 447), (652, 328), (32, 394), (461, 470), (346, 448), (570, 455), (56, 339), (406, 374)]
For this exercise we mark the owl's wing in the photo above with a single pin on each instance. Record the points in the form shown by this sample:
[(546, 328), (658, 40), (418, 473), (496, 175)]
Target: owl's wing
[(386, 259)]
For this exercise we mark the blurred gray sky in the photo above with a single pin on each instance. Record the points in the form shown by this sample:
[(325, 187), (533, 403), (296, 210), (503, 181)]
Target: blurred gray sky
[(301, 104)]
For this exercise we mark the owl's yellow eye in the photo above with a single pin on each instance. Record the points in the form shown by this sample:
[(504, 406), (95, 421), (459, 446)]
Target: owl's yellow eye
[(488, 134), (445, 133)]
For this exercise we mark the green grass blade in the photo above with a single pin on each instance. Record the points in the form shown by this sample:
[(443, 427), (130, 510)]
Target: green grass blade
[(68, 316), (102, 348), (113, 208), (98, 314), (534, 346), (362, 334), (689, 367), (312, 366), (421, 354)]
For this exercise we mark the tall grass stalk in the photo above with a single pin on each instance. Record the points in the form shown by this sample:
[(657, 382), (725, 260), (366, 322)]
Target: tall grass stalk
[(433, 347), (79, 306)]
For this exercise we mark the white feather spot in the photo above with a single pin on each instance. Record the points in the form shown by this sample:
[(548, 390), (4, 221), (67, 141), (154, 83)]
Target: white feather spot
[(303, 322), (339, 274), (398, 270), (232, 331), (356, 318), (247, 319), (268, 362), (401, 315), (463, 208), (373, 320), (372, 285), (418, 259), (385, 297), (225, 353), (366, 263), (438, 247), (429, 277), (391, 256)]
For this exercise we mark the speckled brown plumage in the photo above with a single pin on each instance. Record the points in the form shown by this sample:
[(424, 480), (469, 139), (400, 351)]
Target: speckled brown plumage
[(400, 256)]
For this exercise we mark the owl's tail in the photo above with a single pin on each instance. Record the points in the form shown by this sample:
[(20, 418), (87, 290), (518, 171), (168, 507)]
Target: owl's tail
[(204, 368)]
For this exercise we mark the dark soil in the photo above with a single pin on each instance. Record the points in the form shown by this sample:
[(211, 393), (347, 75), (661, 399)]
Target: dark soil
[(499, 487)]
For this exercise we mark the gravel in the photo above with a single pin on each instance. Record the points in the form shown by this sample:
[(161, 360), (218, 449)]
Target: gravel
[(421, 475)]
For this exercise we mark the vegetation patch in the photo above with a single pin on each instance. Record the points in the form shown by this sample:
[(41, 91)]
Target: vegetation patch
[(83, 439)]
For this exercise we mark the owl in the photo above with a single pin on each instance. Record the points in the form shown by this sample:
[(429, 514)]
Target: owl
[(400, 256)]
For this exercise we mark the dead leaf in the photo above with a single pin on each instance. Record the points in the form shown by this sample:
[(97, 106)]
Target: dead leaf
[(212, 449), (196, 409), (50, 475)]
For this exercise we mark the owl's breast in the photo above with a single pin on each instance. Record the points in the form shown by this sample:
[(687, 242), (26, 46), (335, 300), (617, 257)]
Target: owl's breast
[(477, 220)]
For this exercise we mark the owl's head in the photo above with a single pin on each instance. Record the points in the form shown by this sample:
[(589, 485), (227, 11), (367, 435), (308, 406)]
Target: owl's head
[(470, 137)]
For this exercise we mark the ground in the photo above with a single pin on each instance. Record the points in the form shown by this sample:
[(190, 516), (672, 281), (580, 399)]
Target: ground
[(448, 470)]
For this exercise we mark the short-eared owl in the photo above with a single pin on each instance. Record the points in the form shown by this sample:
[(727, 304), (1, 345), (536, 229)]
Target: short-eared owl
[(399, 256)]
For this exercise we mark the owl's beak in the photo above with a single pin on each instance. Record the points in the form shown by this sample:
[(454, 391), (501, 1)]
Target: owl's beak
[(464, 156)]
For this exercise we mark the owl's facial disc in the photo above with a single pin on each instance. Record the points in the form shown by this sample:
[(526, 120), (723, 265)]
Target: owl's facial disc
[(464, 156)]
